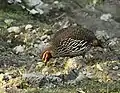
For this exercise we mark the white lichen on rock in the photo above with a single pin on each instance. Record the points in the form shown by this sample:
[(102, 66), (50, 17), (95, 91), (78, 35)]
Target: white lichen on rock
[(28, 26), (14, 29), (19, 49), (106, 17)]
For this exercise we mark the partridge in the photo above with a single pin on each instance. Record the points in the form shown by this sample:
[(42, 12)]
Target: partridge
[(69, 42)]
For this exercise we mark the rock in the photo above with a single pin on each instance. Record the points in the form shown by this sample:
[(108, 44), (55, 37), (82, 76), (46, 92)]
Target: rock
[(31, 3), (79, 90), (9, 41), (1, 77), (56, 2), (72, 75), (114, 45), (42, 8), (100, 54), (40, 80), (35, 45), (115, 68), (40, 11), (106, 17), (8, 21), (99, 67), (29, 26), (14, 29), (39, 6), (19, 49), (35, 80), (34, 31), (113, 41), (80, 77), (33, 11), (6, 78), (14, 1), (70, 64), (19, 1), (53, 80), (45, 37), (102, 35), (87, 15)]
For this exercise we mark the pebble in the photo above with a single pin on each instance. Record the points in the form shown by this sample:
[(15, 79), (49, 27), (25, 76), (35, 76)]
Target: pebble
[(19, 49), (9, 41), (8, 21), (28, 26), (44, 37), (113, 42), (14, 29), (106, 17), (34, 31), (115, 67), (102, 35), (33, 11), (56, 2)]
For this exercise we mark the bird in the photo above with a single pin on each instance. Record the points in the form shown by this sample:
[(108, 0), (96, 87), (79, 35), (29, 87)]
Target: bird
[(70, 42)]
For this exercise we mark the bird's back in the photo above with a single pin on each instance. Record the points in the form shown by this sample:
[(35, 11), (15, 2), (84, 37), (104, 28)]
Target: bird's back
[(72, 41)]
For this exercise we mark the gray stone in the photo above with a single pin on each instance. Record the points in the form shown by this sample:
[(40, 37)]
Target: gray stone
[(14, 29), (91, 17)]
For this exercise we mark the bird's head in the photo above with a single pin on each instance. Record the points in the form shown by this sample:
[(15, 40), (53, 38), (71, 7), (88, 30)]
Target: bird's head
[(46, 55)]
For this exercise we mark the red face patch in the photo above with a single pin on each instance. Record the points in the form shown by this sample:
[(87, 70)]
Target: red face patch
[(46, 56)]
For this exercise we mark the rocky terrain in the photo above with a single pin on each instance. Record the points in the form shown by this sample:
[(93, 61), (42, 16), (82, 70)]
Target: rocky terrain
[(26, 30)]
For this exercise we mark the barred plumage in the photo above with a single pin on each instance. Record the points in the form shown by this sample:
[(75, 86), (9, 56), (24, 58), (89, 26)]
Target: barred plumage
[(71, 41)]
